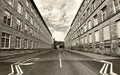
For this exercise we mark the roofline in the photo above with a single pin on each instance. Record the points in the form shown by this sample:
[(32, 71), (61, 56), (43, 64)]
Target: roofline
[(75, 17), (67, 33), (41, 16), (77, 12)]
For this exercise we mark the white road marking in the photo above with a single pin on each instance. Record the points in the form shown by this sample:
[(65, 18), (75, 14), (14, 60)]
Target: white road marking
[(104, 69), (12, 70), (32, 59), (20, 70), (17, 68), (60, 59), (26, 63)]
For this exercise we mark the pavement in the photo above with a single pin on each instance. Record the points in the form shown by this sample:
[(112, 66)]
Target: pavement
[(95, 56), (61, 62)]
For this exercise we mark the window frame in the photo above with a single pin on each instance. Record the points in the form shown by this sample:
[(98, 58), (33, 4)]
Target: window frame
[(11, 3), (104, 13), (90, 38), (8, 16), (97, 36), (19, 24), (5, 41), (26, 15), (95, 20), (20, 8), (18, 40), (105, 31), (25, 43)]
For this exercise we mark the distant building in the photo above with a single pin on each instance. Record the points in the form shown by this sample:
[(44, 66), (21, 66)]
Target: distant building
[(58, 44), (96, 27), (22, 26)]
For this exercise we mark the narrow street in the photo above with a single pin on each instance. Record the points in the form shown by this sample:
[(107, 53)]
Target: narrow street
[(59, 62)]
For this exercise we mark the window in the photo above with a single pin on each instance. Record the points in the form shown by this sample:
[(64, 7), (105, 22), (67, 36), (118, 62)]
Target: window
[(5, 40), (27, 3), (83, 16), (86, 40), (88, 11), (31, 31), (97, 39), (31, 43), (95, 20), (26, 43), (27, 15), (19, 25), (116, 5), (11, 2), (35, 14), (85, 28), (90, 38), (93, 5), (31, 20), (7, 18), (103, 13), (106, 33), (82, 30), (36, 25), (89, 25), (82, 40), (20, 8), (32, 9), (26, 29), (18, 42), (118, 29)]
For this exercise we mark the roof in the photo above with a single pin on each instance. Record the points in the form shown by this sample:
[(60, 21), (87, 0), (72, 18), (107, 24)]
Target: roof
[(40, 16), (75, 18)]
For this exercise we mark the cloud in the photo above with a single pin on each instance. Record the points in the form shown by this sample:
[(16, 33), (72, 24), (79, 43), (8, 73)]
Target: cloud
[(60, 35), (58, 15)]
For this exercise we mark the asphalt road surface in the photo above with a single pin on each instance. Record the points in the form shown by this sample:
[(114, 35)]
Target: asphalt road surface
[(59, 62)]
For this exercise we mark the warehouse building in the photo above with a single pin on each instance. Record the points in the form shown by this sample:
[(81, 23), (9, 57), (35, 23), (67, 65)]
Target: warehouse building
[(96, 27), (22, 26)]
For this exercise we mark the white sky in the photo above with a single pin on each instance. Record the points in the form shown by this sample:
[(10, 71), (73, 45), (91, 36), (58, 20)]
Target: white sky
[(58, 15)]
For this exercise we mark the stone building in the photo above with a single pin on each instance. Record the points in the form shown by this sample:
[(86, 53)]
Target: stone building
[(22, 26), (96, 27)]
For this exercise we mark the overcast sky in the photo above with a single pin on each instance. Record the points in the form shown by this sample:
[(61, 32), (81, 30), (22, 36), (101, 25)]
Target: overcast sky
[(58, 15)]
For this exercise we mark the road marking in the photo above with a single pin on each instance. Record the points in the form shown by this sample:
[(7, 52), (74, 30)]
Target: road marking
[(32, 59), (60, 59), (26, 63), (20, 70), (104, 69), (12, 70), (17, 69)]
